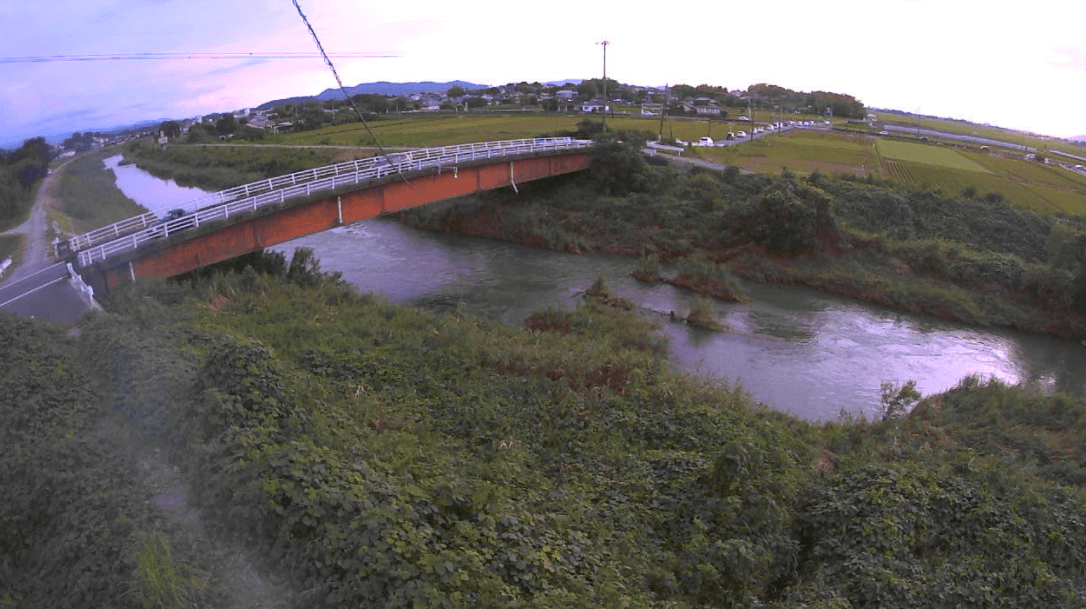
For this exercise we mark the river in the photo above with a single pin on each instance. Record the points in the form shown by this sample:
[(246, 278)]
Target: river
[(796, 350)]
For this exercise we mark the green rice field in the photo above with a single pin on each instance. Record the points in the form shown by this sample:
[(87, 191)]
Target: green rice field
[(1030, 185), (966, 128), (925, 153)]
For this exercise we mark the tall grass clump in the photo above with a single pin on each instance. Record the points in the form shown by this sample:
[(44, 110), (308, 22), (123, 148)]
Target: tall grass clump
[(648, 269), (702, 314), (159, 581), (707, 278)]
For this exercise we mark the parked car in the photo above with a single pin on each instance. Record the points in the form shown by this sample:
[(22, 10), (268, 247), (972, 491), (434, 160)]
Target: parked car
[(160, 226), (740, 134)]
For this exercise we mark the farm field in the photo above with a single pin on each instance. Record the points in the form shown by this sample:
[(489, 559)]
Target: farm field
[(922, 153), (1042, 188), (443, 130), (966, 128), (802, 151)]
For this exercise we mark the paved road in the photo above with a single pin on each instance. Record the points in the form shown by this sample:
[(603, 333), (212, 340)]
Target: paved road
[(40, 287), (958, 136), (686, 160), (47, 294)]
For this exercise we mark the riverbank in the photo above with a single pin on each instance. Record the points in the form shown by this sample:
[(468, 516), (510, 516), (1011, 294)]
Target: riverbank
[(975, 261), (87, 195), (378, 454)]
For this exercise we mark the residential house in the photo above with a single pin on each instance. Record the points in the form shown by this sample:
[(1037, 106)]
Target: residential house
[(651, 109), (260, 121), (594, 105)]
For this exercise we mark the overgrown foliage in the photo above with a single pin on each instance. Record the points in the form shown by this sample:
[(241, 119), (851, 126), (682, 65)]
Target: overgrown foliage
[(69, 504), (20, 170), (383, 456), (976, 260)]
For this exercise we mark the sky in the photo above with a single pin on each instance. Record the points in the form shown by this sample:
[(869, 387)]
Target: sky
[(1016, 65)]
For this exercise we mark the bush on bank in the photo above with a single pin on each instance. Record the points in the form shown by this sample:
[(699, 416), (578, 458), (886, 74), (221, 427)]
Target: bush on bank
[(975, 260)]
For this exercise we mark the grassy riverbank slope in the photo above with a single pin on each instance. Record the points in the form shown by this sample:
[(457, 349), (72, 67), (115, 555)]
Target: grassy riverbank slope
[(88, 197), (378, 455)]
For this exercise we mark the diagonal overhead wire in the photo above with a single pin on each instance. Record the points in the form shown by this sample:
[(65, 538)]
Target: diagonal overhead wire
[(339, 81)]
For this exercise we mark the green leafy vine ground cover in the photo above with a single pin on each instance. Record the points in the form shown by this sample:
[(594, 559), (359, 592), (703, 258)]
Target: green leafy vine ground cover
[(377, 455)]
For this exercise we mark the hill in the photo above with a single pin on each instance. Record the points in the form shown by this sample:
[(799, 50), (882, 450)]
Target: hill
[(299, 99), (378, 88), (398, 88)]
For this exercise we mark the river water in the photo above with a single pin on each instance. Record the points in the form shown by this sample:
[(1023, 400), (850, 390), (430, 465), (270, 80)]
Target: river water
[(153, 193), (794, 349)]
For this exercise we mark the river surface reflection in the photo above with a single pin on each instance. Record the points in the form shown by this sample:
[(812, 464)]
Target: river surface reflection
[(153, 193), (795, 349)]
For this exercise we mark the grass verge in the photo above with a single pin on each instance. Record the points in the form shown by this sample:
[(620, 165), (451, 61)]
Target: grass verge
[(11, 246), (88, 195)]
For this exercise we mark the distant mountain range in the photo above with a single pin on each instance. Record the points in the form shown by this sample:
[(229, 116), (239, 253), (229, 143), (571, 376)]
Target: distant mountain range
[(1078, 138), (398, 88), (376, 88)]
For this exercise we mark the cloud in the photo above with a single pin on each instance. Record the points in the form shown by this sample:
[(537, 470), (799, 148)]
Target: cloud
[(1068, 57), (230, 69)]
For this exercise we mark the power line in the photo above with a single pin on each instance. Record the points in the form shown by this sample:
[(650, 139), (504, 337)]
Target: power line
[(184, 55), (339, 81)]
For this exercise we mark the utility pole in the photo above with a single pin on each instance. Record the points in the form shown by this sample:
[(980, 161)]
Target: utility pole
[(750, 115), (604, 43), (663, 106)]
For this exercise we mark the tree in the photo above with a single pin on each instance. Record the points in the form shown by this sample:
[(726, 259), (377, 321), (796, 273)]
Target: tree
[(587, 89), (79, 142), (475, 102), (170, 128), (226, 125), (34, 149), (200, 133), (456, 91), (619, 168)]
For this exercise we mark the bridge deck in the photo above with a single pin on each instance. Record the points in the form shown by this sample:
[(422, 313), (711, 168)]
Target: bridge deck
[(219, 232), (132, 233)]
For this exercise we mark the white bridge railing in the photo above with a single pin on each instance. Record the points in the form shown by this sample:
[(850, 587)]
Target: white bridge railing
[(130, 234)]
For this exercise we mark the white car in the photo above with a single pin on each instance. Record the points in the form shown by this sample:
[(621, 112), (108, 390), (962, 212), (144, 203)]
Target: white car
[(740, 134)]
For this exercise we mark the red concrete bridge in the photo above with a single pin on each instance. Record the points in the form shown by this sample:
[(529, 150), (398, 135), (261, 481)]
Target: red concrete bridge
[(240, 220)]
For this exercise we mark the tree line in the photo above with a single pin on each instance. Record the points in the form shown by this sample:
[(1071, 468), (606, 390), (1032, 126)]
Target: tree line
[(20, 169)]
